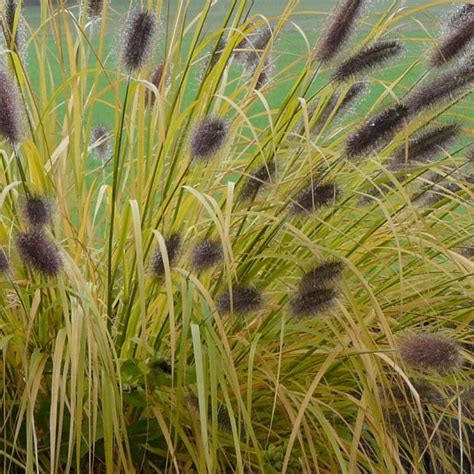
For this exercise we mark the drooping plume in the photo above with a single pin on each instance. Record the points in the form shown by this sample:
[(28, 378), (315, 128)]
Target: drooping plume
[(460, 33), (379, 129), (37, 211), (430, 352), (243, 299), (206, 254), (208, 138), (10, 114), (100, 142), (367, 59), (38, 252), (3, 262), (258, 179), (320, 276), (312, 303), (425, 146), (339, 29), (173, 249), (138, 39), (442, 88), (315, 196)]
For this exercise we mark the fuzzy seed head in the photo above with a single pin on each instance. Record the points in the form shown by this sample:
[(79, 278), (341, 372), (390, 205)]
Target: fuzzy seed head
[(3, 262), (38, 252), (208, 138), (10, 115), (250, 50), (312, 303), (378, 130), (339, 29), (14, 38), (155, 79), (430, 352), (426, 146), (138, 39), (100, 141), (315, 197), (206, 254), (94, 8), (173, 248), (243, 299), (37, 211), (320, 276), (258, 179), (457, 38), (443, 88), (367, 59)]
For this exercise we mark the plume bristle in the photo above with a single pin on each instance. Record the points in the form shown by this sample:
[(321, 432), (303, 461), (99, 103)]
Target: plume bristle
[(367, 58), (312, 303), (37, 211), (258, 179), (425, 147), (138, 39), (379, 129), (320, 276), (206, 254), (315, 196), (339, 29), (243, 299), (10, 116), (173, 248), (100, 142), (3, 262), (208, 138)]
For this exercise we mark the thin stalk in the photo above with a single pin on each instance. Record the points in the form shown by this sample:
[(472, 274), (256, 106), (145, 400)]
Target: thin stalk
[(118, 148)]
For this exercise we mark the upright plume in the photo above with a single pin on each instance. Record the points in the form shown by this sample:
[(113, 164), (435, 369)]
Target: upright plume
[(94, 8), (10, 115), (339, 29), (138, 39)]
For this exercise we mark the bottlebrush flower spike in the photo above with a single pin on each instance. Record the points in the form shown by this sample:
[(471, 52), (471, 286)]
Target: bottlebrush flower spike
[(320, 276), (379, 129), (249, 51), (3, 262), (339, 29), (207, 254), (315, 196), (442, 88), (100, 141), (10, 115), (138, 39), (458, 37), (426, 146), (94, 8), (37, 211), (38, 252), (173, 249), (258, 179), (430, 352), (367, 58), (312, 303), (208, 138), (243, 299), (15, 38)]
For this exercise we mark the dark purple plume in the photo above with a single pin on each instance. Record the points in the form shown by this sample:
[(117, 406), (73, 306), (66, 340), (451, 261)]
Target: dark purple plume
[(258, 179), (173, 248), (243, 299), (138, 39), (367, 59), (319, 277), (208, 138), (156, 80), (38, 252), (458, 37), (443, 88), (312, 303), (378, 130), (94, 8), (339, 29), (37, 211), (430, 352), (10, 115), (206, 254), (425, 146), (3, 262), (314, 197)]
